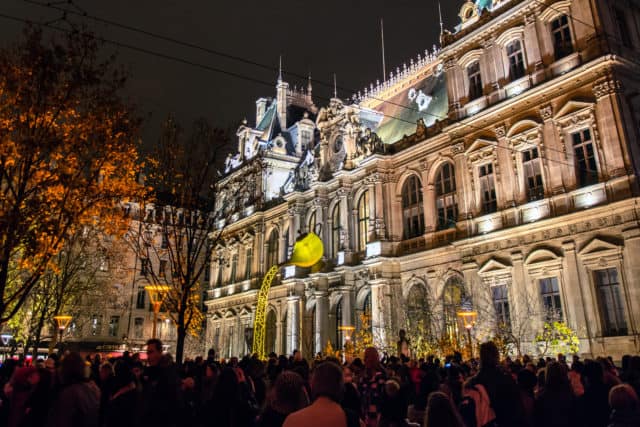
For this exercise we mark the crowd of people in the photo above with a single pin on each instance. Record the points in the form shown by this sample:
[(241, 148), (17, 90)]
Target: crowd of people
[(289, 391)]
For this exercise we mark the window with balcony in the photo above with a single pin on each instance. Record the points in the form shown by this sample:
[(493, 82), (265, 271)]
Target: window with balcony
[(584, 158), (611, 304), (561, 34), (551, 303), (475, 81), (412, 208), (533, 174), (487, 189), (363, 221), (516, 60), (446, 198)]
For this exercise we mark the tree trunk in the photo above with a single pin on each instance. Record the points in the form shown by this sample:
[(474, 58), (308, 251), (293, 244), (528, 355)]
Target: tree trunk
[(182, 334)]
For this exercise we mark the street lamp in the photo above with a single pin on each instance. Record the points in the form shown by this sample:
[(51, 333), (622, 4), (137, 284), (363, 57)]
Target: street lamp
[(62, 321), (157, 293), (468, 316), (6, 339)]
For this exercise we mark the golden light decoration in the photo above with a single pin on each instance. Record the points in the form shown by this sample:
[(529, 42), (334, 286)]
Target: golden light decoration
[(62, 321), (157, 294), (307, 252)]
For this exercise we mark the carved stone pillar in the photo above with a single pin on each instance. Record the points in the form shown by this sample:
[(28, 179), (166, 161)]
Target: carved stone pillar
[(576, 316), (378, 324), (293, 323), (614, 161), (321, 320), (556, 161)]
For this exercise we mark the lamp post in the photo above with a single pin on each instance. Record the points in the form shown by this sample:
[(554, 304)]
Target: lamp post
[(62, 321), (468, 316), (157, 293), (6, 339)]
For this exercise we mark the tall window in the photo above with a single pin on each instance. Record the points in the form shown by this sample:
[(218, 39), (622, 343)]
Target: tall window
[(165, 240), (145, 266), (220, 271), (141, 298), (561, 34), (487, 189), (96, 324), (623, 27), (163, 268), (234, 268), (417, 311), (585, 158), (516, 60), (412, 211), (610, 300), (311, 225), (475, 80), (363, 221), (533, 174), (272, 249), (335, 231), (338, 343), (114, 323), (446, 199), (249, 264), (138, 325), (551, 303), (366, 310), (501, 305), (451, 301)]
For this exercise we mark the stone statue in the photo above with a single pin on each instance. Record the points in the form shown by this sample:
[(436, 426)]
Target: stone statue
[(403, 345)]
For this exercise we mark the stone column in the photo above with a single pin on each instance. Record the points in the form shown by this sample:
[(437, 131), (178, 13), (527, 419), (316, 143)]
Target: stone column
[(609, 136), (378, 324), (508, 180), (321, 320), (464, 187), (576, 316), (346, 302), (554, 162), (293, 323), (345, 230), (631, 280)]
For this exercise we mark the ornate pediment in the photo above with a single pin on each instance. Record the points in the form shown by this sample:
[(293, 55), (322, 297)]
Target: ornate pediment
[(482, 144), (541, 255), (572, 107), (597, 246), (245, 310), (493, 266)]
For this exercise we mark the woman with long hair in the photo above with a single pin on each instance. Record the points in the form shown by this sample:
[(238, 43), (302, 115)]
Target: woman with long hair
[(287, 395), (441, 412)]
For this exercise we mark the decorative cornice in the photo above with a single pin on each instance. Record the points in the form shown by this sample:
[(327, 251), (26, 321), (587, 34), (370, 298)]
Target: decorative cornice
[(607, 87)]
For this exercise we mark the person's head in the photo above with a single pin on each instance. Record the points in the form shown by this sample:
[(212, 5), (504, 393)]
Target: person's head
[(371, 358), (326, 381), (527, 380), (347, 374), (106, 371), (489, 355), (72, 368), (623, 398), (122, 373), (297, 356), (441, 412), (154, 352), (289, 394), (392, 387), (593, 374), (556, 377)]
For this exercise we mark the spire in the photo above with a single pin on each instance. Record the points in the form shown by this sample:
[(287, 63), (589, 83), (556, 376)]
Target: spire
[(441, 23), (280, 70), (335, 86), (384, 64), (309, 88)]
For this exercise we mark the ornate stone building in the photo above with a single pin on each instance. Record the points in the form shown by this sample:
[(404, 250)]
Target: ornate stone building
[(500, 171)]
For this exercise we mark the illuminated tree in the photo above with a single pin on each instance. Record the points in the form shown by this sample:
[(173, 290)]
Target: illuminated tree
[(68, 154), (557, 337), (177, 237)]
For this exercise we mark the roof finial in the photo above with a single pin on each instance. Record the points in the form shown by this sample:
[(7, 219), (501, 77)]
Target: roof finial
[(309, 88), (335, 86), (441, 23), (280, 70), (384, 64)]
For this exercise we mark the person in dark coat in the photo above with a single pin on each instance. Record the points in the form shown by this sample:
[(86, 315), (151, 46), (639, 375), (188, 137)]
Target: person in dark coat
[(501, 388), (625, 406), (78, 400), (160, 397), (594, 404), (556, 406), (231, 404), (122, 403)]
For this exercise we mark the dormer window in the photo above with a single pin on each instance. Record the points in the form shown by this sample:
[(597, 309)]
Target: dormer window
[(475, 80), (561, 34)]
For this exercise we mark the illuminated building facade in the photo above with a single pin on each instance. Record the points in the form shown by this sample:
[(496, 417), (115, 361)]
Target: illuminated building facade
[(499, 170)]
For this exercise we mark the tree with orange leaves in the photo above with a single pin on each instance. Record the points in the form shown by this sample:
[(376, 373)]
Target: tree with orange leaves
[(68, 154)]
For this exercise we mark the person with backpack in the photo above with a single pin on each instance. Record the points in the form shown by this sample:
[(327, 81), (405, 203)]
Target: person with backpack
[(491, 397)]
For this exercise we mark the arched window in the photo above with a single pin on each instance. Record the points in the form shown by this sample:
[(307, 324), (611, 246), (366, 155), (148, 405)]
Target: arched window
[(366, 312), (516, 60), (452, 298), (338, 343), (363, 221), (272, 249), (561, 35), (335, 231), (446, 199), (270, 332), (311, 225), (417, 310), (412, 213), (475, 80)]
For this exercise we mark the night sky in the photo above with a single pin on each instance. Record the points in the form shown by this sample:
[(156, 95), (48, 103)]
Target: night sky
[(320, 37)]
